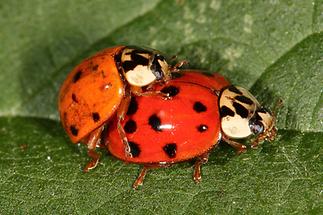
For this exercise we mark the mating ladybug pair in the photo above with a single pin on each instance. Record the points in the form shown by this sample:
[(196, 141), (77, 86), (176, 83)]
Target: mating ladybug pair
[(154, 114)]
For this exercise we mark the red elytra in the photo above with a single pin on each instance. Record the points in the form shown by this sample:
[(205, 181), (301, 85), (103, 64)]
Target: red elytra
[(165, 131)]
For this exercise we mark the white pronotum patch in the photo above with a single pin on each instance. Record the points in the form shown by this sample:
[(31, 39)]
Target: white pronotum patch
[(236, 127), (140, 76)]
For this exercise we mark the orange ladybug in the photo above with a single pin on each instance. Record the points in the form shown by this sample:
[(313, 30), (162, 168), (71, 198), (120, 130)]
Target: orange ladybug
[(101, 86)]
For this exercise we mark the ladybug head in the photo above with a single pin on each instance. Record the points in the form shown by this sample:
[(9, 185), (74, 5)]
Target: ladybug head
[(262, 124), (242, 116), (142, 67)]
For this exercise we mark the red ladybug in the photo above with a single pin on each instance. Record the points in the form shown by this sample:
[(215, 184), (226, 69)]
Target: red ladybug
[(166, 131), (189, 124), (101, 87)]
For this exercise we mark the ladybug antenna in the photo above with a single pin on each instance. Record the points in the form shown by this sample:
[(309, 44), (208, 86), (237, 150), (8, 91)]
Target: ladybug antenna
[(177, 66), (173, 58), (279, 104)]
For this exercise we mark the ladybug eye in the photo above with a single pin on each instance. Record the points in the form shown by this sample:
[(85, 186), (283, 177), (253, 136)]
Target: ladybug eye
[(160, 57), (256, 127), (158, 66)]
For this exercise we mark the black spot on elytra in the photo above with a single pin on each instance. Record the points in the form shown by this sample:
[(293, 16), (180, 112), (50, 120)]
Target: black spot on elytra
[(74, 98), (202, 128), (234, 89), (134, 149), (240, 110), (170, 90), (199, 107), (133, 106), (244, 99), (154, 122), (130, 126), (74, 130), (77, 76), (103, 74), (95, 116), (225, 111), (170, 150), (95, 67)]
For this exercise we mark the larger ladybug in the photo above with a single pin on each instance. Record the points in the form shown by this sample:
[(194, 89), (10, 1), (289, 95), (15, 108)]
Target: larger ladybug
[(101, 86), (201, 111)]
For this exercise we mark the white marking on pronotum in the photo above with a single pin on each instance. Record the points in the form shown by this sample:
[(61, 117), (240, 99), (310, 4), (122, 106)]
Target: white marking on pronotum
[(140, 76)]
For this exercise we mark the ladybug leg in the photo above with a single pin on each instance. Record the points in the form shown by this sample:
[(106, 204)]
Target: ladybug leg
[(123, 108), (140, 179), (197, 167), (150, 92), (178, 65), (270, 136), (92, 142), (256, 142), (240, 148)]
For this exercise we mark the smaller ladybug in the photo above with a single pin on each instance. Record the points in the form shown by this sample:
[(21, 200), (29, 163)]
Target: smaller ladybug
[(101, 87), (200, 111)]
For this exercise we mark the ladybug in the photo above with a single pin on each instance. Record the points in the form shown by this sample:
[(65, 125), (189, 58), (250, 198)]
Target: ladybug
[(101, 87), (199, 112)]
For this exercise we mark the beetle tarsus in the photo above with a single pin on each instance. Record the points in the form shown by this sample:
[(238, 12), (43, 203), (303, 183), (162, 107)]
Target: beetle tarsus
[(140, 179)]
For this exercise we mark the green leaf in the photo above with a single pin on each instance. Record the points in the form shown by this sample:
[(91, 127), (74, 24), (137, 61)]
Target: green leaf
[(275, 48)]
